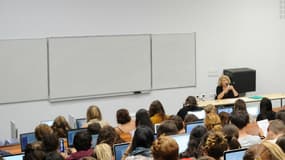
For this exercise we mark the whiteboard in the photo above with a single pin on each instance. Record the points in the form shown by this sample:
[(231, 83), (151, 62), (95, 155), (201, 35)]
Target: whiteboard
[(23, 70), (98, 65), (173, 60)]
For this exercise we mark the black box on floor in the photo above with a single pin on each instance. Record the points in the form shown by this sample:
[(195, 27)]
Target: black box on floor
[(243, 79)]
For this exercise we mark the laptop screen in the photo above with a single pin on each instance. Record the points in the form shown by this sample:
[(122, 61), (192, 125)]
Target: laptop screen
[(94, 140), (47, 122), (70, 135), (226, 109), (182, 141), (189, 126), (235, 154), (80, 122), (27, 138), (14, 157), (200, 114), (119, 150)]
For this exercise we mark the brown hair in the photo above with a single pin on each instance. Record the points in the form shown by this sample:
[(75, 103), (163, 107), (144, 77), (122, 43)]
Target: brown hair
[(239, 105), (108, 135), (156, 108), (167, 127), (123, 116), (93, 112), (213, 122), (231, 133), (190, 101), (276, 126), (41, 130), (60, 127), (165, 148), (210, 109), (190, 118), (225, 118)]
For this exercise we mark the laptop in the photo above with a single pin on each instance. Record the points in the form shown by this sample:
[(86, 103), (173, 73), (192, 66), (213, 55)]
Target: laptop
[(14, 157), (47, 122), (70, 135), (156, 126), (200, 114), (71, 121), (236, 154), (94, 140), (225, 109), (189, 126), (80, 122), (119, 150), (182, 141), (27, 138)]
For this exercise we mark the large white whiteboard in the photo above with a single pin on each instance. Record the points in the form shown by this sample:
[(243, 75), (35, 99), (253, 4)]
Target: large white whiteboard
[(23, 70), (173, 60), (98, 65)]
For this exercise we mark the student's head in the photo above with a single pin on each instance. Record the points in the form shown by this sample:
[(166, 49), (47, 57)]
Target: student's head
[(93, 112), (156, 108), (240, 119), (82, 141), (239, 105), (123, 116), (50, 142), (190, 101), (167, 127), (275, 129), (225, 118), (281, 115), (212, 121), (142, 118), (224, 80), (265, 105), (190, 118), (103, 151), (214, 144), (281, 142), (54, 156), (108, 135), (143, 137), (210, 109), (34, 151), (41, 130), (60, 126), (264, 151), (231, 133), (178, 122), (94, 128), (165, 148)]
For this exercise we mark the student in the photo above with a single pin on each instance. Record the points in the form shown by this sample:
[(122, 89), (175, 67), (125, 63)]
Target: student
[(179, 123), (231, 133), (125, 126), (281, 115), (265, 108), (41, 130), (212, 122), (281, 142), (225, 118), (239, 105), (50, 143), (241, 120), (225, 89), (168, 127), (275, 129), (34, 151), (210, 109), (103, 151), (108, 135), (60, 127), (94, 128), (190, 104), (93, 114), (190, 118), (156, 112), (53, 156), (142, 119), (165, 148)]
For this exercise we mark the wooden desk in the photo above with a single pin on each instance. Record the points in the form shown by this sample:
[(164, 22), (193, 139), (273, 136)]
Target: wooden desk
[(13, 149), (229, 101)]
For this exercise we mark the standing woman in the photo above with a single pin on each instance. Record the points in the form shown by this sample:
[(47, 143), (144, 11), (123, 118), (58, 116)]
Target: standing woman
[(225, 89)]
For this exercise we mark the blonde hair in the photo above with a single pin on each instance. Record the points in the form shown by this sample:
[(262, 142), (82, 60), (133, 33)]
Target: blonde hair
[(93, 112), (223, 77), (213, 122), (274, 149), (210, 109), (103, 151), (165, 148)]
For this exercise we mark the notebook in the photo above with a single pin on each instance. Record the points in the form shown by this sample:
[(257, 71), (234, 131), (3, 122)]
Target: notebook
[(189, 126), (70, 135), (236, 154), (14, 157), (27, 138), (182, 141), (119, 150)]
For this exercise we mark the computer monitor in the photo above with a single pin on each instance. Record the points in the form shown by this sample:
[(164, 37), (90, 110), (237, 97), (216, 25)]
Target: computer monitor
[(189, 126), (119, 150), (225, 109), (27, 138), (200, 114), (94, 140), (236, 154), (182, 141), (71, 121), (14, 157), (80, 122), (47, 122), (70, 135), (14, 130)]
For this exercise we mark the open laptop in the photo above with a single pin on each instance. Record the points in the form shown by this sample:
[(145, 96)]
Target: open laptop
[(27, 138), (119, 150), (47, 122), (225, 109), (70, 135), (236, 154), (182, 141), (200, 114), (80, 122), (14, 157), (189, 126)]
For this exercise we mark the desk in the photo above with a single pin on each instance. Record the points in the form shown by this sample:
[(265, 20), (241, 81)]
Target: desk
[(228, 101), (13, 149)]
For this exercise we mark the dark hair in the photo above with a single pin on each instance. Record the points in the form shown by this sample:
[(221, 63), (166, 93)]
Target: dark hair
[(190, 102), (108, 135), (225, 118), (240, 119), (41, 130), (167, 127), (281, 142), (239, 105), (93, 128), (143, 137), (53, 156), (123, 116), (82, 141), (155, 108), (178, 121), (142, 118), (50, 142), (194, 140), (60, 127), (265, 110), (34, 151), (190, 118), (231, 133), (281, 115)]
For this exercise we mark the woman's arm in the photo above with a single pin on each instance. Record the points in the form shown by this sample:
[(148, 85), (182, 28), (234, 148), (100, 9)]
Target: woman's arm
[(234, 91)]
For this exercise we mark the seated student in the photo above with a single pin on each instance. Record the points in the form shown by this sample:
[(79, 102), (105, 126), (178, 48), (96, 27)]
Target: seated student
[(142, 119), (108, 135), (50, 143), (140, 146), (196, 135), (239, 105), (179, 123), (103, 151), (241, 120), (94, 128), (212, 122), (82, 144), (190, 104), (53, 156), (34, 151), (231, 133), (281, 115), (190, 118), (225, 118), (225, 89), (125, 125), (264, 151), (265, 110), (275, 129), (281, 142), (60, 127), (93, 114), (210, 109), (156, 112), (214, 144), (165, 148), (41, 130), (167, 128)]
